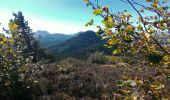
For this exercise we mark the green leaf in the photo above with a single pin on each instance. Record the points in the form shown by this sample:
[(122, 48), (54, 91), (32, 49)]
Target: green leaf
[(109, 47), (89, 23), (108, 22), (115, 51), (127, 39), (97, 12)]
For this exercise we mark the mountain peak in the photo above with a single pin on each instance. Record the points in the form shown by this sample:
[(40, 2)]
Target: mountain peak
[(84, 44), (47, 39), (40, 33)]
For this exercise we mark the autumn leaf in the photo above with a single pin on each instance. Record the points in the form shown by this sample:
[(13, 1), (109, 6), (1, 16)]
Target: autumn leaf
[(129, 29), (97, 12), (147, 35), (108, 22), (86, 1), (139, 27)]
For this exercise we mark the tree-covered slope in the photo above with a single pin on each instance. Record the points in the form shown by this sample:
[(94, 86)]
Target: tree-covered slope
[(80, 46)]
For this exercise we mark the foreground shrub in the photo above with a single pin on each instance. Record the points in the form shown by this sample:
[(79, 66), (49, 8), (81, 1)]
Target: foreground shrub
[(15, 77), (139, 41)]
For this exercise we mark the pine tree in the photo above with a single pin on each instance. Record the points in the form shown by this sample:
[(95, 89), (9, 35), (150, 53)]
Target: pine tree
[(27, 36)]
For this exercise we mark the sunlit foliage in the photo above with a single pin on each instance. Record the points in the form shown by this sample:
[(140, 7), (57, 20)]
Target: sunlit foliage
[(15, 77), (141, 39)]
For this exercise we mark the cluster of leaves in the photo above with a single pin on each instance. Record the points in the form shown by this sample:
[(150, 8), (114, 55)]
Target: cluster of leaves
[(127, 36), (139, 38)]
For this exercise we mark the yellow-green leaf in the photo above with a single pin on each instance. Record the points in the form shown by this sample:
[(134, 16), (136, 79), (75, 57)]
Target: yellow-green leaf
[(97, 12)]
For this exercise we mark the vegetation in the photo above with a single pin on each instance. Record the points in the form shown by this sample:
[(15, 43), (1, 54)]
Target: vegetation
[(71, 79), (97, 57), (138, 39), (13, 80), (18, 51), (137, 69), (80, 46)]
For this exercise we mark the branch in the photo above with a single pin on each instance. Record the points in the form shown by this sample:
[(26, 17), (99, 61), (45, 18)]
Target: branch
[(145, 7), (97, 6), (147, 30)]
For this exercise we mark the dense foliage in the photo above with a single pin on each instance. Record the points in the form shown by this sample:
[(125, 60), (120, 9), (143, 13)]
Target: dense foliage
[(144, 40), (17, 50), (12, 62)]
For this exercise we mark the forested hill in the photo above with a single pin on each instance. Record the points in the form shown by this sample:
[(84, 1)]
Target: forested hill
[(80, 46)]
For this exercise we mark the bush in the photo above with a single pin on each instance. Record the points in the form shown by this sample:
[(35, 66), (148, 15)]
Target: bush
[(97, 57), (15, 78)]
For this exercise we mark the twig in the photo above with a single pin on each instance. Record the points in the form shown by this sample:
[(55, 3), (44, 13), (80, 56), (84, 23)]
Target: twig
[(147, 30)]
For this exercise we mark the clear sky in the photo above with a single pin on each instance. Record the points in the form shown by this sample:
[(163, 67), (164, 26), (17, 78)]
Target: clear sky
[(55, 16)]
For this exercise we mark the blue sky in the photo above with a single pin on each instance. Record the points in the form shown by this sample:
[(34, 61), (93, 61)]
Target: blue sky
[(55, 16)]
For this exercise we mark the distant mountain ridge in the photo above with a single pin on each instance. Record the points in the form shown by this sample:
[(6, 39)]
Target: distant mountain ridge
[(47, 39)]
